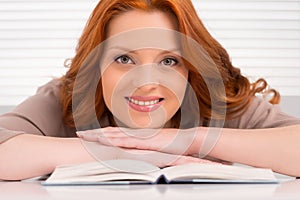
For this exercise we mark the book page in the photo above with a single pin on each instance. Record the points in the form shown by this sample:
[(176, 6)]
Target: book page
[(109, 178), (112, 170), (189, 172)]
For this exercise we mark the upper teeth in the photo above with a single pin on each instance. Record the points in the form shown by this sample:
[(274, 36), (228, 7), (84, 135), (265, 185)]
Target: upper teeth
[(143, 103)]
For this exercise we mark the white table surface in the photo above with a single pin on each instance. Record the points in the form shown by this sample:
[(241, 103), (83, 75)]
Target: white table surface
[(33, 190)]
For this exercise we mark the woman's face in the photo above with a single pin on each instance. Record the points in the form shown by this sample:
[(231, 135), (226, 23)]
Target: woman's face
[(143, 86)]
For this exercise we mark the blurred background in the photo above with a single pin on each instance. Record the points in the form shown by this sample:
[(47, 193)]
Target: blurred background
[(261, 36)]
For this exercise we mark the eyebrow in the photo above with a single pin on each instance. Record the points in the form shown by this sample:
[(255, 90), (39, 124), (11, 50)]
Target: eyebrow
[(173, 50)]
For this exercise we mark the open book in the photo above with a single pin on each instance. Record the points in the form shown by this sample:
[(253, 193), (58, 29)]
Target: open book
[(139, 172)]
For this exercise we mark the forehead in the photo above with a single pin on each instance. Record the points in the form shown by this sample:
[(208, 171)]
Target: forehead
[(137, 19), (136, 29), (165, 40)]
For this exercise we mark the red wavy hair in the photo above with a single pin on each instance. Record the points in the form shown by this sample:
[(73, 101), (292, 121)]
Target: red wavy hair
[(239, 91)]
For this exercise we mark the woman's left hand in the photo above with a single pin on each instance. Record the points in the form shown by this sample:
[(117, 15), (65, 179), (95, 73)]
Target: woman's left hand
[(173, 141)]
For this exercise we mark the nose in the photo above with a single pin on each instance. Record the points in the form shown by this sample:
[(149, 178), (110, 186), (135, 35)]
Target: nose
[(148, 87), (146, 77)]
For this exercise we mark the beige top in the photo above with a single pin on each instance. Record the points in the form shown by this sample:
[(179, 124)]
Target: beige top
[(41, 115)]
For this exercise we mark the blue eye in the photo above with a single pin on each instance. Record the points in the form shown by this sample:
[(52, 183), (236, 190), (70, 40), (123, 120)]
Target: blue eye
[(169, 62), (124, 60)]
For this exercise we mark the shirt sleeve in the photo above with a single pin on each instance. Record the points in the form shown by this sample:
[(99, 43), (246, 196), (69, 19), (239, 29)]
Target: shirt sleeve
[(262, 114), (7, 134), (40, 114)]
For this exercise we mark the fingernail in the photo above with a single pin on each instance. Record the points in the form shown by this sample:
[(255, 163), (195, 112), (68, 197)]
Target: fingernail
[(80, 133)]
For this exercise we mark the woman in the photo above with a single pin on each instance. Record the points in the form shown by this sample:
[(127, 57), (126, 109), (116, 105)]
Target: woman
[(200, 82)]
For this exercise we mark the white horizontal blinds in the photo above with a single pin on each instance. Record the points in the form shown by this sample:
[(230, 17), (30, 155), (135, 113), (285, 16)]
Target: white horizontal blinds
[(261, 36), (36, 36)]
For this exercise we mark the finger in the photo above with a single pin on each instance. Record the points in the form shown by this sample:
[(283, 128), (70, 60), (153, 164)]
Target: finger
[(93, 134), (97, 137), (114, 132), (187, 160), (91, 137), (125, 142), (126, 132), (101, 130)]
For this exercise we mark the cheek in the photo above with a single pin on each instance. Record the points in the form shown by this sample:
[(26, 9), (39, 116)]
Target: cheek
[(109, 81), (172, 103)]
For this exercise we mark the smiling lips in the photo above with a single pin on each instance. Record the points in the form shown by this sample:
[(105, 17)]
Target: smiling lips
[(144, 104)]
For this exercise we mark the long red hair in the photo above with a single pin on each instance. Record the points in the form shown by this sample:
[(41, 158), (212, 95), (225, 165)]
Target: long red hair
[(239, 91)]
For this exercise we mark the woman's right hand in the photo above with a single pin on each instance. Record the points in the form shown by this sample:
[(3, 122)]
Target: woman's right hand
[(101, 152), (164, 159)]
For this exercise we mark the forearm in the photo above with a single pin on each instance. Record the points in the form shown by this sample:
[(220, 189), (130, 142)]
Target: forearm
[(27, 156), (276, 148)]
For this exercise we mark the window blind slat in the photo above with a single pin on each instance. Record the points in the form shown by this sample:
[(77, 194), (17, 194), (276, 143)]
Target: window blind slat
[(225, 24), (32, 64), (23, 81), (248, 5), (44, 34), (253, 15), (41, 15), (284, 81), (14, 91), (261, 34), (277, 72), (281, 63), (12, 100), (42, 24), (261, 53), (37, 44), (261, 43), (33, 53), (43, 72), (45, 6)]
